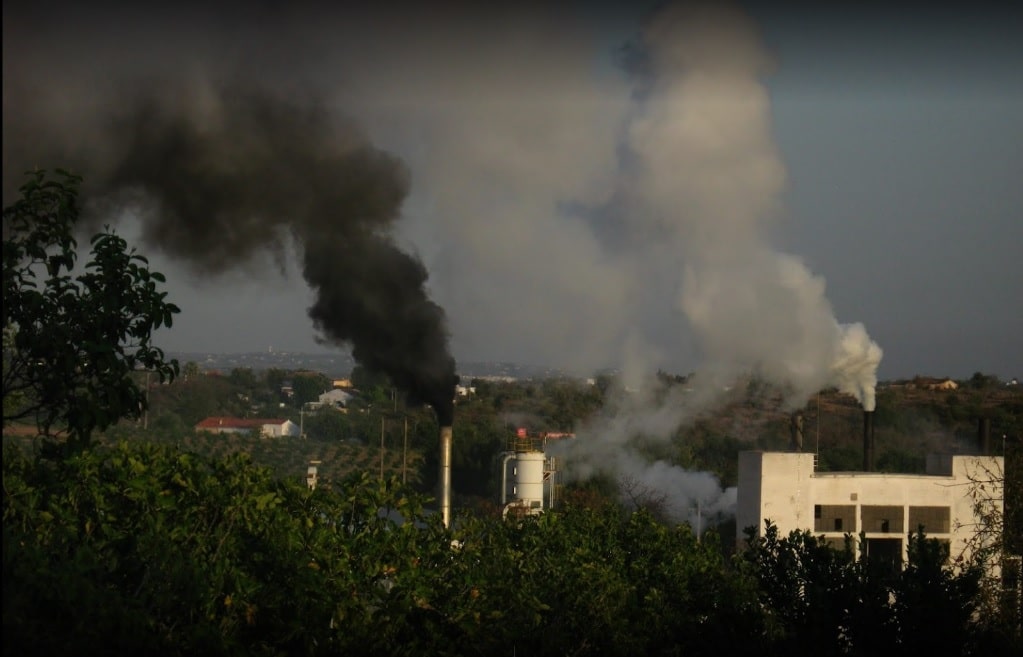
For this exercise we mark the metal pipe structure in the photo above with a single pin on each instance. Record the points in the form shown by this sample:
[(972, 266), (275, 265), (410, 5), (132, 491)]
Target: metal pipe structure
[(868, 441), (445, 475), (504, 477)]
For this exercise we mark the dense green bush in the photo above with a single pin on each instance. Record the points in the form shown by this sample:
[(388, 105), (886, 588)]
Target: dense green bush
[(143, 547)]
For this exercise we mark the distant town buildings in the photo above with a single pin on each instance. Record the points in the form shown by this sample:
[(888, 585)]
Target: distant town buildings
[(267, 427), (924, 383), (938, 384)]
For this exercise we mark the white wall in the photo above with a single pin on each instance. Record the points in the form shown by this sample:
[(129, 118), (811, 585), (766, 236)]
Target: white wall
[(783, 487), (286, 428)]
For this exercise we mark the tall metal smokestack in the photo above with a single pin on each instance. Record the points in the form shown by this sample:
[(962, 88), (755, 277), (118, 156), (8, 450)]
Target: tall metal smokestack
[(868, 441), (440, 393), (445, 475)]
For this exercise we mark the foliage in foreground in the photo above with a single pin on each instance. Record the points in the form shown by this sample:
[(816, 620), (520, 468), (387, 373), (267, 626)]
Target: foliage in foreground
[(143, 547), (821, 601), (74, 336)]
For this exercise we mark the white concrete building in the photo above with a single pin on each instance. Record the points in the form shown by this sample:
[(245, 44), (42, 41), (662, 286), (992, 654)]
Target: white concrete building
[(785, 488)]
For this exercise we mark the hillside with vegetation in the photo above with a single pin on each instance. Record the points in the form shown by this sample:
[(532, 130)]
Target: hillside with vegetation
[(379, 434)]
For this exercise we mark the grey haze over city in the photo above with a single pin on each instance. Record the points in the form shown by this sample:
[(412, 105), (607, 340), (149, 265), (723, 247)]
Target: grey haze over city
[(824, 195)]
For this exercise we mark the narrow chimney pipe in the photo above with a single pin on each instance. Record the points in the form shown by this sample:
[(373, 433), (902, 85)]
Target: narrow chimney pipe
[(445, 475), (796, 428), (984, 435), (868, 441)]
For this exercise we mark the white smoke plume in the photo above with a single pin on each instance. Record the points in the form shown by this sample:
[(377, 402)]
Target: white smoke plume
[(613, 444), (708, 180)]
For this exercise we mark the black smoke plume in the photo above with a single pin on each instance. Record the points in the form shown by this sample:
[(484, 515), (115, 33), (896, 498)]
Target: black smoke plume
[(219, 174)]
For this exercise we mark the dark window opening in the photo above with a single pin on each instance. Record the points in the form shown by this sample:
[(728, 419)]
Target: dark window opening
[(882, 519), (884, 552), (833, 517), (931, 519)]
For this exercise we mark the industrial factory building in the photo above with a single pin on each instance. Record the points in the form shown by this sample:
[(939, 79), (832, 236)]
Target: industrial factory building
[(786, 488)]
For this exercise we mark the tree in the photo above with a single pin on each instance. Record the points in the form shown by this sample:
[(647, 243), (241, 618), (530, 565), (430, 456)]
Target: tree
[(190, 371), (138, 547), (308, 388), (71, 342), (980, 381), (327, 425), (244, 377), (824, 601)]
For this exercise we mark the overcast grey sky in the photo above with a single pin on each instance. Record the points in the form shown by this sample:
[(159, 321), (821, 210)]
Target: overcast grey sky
[(722, 191)]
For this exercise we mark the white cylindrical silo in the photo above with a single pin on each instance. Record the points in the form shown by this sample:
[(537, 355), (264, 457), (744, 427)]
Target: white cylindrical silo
[(529, 469)]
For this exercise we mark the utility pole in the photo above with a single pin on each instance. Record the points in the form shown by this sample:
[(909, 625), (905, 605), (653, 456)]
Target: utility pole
[(301, 419), (817, 447), (145, 417)]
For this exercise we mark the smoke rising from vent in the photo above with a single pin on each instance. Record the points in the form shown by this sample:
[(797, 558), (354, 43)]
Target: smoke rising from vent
[(617, 442), (710, 179)]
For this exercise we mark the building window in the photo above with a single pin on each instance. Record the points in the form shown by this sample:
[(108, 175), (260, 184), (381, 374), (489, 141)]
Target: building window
[(881, 519), (825, 517), (884, 552), (932, 519)]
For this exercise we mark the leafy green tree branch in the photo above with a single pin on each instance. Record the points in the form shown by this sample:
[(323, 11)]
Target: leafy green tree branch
[(73, 337)]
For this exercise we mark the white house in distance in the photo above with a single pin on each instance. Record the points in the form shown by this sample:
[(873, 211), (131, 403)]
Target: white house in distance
[(335, 397), (785, 488), (266, 427)]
